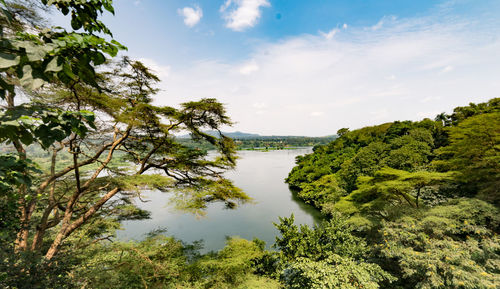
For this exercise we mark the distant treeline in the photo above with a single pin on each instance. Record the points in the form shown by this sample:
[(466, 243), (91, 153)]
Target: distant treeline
[(264, 142)]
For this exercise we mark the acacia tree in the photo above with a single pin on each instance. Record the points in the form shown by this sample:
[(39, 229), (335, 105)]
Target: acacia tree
[(141, 133), (381, 196), (31, 56), (95, 118), (473, 151)]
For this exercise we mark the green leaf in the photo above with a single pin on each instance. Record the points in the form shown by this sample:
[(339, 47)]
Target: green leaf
[(8, 60), (35, 52), (75, 23), (28, 80), (98, 58), (54, 65), (68, 72), (26, 137), (107, 5), (64, 10), (119, 45)]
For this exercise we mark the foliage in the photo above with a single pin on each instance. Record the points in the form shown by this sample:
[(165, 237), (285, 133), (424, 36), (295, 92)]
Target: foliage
[(399, 186), (163, 262), (12, 177), (34, 123), (333, 272), (326, 256), (462, 113), (155, 262), (319, 242), (465, 142), (400, 145), (474, 152), (263, 142), (449, 246), (54, 54), (380, 196), (29, 270), (324, 190), (85, 186), (394, 221), (231, 267)]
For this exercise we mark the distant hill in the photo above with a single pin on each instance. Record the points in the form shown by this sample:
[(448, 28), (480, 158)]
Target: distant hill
[(250, 141), (243, 135), (236, 134)]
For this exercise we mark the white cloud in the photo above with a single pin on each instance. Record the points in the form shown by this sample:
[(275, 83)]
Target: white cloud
[(379, 114), (260, 105), (363, 78), (446, 69), (329, 35), (344, 26), (249, 68), (382, 22), (162, 71), (428, 114), (430, 98), (242, 14), (192, 15), (317, 113)]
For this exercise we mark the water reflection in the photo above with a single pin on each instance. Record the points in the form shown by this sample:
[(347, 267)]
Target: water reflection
[(261, 175)]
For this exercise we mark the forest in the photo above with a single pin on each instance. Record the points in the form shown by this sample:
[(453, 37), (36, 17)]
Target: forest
[(263, 142), (406, 204)]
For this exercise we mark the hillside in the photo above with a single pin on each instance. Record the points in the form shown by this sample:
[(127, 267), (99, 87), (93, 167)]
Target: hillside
[(424, 195)]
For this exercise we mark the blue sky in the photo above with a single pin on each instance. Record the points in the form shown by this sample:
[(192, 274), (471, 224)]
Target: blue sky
[(140, 23), (312, 67)]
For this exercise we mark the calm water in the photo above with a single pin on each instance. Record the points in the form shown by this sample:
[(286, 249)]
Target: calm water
[(261, 175)]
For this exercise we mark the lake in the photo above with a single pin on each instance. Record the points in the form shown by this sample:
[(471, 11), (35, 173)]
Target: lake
[(261, 175)]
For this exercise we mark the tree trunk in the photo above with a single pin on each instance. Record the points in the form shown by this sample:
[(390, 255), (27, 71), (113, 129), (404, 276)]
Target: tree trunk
[(69, 228), (25, 208), (42, 226)]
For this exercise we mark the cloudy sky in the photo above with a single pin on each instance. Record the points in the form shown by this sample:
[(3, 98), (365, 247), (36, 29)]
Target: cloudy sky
[(295, 67)]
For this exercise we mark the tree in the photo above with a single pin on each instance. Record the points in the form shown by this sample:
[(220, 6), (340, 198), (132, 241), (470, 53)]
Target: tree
[(326, 256), (61, 117), (461, 113), (412, 151), (342, 131), (321, 191), (366, 161), (453, 245), (164, 262), (32, 55), (473, 151), (379, 196)]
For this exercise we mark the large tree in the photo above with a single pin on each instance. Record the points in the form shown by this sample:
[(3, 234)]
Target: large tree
[(473, 151), (86, 121)]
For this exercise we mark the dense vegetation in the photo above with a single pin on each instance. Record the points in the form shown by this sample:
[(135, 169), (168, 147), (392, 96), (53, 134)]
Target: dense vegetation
[(408, 204), (256, 142), (424, 195)]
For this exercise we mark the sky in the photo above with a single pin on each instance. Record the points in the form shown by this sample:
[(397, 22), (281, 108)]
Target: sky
[(295, 67)]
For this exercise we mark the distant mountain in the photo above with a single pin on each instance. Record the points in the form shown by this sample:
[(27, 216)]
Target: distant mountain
[(236, 134), (244, 135)]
